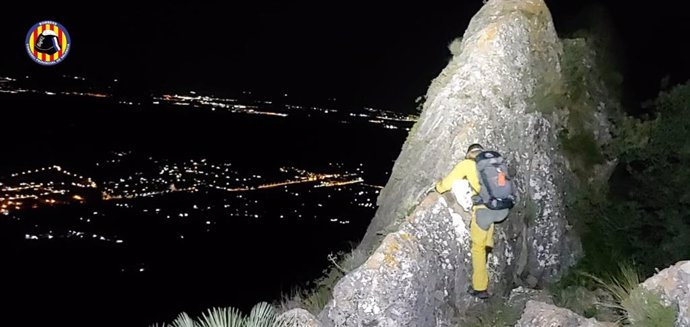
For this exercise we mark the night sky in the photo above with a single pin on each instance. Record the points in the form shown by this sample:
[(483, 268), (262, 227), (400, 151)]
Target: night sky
[(361, 54), (381, 56)]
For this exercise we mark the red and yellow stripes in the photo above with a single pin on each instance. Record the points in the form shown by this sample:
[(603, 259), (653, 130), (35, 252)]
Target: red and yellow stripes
[(62, 41)]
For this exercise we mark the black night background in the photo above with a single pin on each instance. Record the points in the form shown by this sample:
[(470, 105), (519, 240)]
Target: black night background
[(186, 156)]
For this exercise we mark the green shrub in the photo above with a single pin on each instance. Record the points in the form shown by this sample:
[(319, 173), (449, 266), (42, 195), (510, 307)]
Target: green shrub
[(316, 295), (641, 213), (644, 217), (496, 313), (578, 299), (636, 305), (583, 151)]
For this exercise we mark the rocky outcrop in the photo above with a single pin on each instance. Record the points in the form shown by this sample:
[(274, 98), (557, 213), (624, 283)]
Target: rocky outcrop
[(539, 314), (639, 308), (519, 297), (503, 311), (411, 279), (673, 284), (492, 92)]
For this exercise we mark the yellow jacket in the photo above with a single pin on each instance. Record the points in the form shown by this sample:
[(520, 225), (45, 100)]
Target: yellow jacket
[(465, 169)]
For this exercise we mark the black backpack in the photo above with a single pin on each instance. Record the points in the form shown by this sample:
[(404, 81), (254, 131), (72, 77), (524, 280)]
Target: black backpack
[(497, 189)]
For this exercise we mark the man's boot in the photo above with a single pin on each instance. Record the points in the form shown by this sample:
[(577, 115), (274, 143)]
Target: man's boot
[(479, 294)]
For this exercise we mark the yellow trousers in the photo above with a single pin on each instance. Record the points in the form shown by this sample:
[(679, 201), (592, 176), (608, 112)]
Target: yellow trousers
[(481, 239)]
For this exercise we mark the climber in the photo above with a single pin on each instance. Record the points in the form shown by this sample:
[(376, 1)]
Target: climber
[(483, 218)]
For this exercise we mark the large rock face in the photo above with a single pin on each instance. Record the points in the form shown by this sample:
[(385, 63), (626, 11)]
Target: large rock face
[(538, 314), (490, 93), (411, 278), (673, 284)]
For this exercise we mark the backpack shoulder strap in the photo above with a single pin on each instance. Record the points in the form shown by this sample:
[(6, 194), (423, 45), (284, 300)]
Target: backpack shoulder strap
[(486, 183)]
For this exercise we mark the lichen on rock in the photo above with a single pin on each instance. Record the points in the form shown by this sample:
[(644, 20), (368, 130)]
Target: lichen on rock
[(510, 55), (539, 314), (491, 92), (409, 278), (673, 284)]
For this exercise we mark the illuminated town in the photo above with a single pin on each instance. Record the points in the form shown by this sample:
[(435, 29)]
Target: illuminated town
[(100, 179), (221, 191), (192, 99), (45, 186), (72, 181)]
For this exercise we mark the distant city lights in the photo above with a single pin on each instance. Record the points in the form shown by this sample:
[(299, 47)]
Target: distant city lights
[(192, 99), (54, 185), (212, 191)]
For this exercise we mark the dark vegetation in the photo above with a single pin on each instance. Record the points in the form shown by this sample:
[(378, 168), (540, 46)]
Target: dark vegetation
[(638, 218)]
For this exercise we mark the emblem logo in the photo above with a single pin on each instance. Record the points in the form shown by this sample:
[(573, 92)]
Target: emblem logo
[(48, 43)]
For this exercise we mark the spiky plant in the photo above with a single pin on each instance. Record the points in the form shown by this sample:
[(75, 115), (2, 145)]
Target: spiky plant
[(637, 306), (315, 301), (262, 315), (618, 286), (222, 317), (645, 308), (183, 320)]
